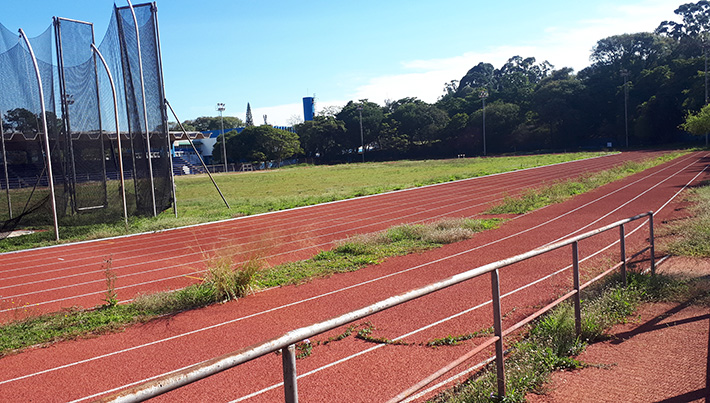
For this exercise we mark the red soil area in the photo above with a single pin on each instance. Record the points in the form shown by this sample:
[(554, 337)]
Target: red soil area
[(660, 356)]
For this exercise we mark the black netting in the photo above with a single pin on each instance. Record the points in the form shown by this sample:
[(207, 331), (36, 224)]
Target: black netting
[(83, 137), (24, 180)]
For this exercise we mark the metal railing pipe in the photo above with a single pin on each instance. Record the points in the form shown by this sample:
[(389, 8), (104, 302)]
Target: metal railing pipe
[(622, 246), (577, 296), (213, 366), (290, 378), (652, 242), (498, 331)]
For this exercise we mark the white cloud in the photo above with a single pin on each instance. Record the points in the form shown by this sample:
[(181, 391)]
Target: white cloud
[(563, 46), (566, 45)]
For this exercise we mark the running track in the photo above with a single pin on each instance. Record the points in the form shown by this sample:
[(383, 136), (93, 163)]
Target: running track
[(48, 279), (352, 370)]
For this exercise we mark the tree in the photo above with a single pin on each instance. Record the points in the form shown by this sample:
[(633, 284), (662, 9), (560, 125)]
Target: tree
[(205, 123), (633, 52), (322, 136), (697, 124), (418, 121), (249, 119), (481, 75), (21, 120), (501, 120), (559, 102), (372, 116), (262, 143), (693, 32)]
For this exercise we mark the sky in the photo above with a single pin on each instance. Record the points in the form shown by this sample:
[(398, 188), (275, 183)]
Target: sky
[(272, 53)]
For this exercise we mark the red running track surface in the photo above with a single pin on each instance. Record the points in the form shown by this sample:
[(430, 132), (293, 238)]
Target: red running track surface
[(48, 279), (354, 370)]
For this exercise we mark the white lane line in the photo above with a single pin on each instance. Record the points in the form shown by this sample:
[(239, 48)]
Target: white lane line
[(464, 198), (448, 318), (41, 249), (187, 264), (155, 342)]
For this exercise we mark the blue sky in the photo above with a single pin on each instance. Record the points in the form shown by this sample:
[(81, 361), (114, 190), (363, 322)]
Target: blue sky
[(272, 53)]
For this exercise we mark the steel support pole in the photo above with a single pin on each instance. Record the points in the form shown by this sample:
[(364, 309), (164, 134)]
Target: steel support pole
[(290, 376), (163, 109), (145, 110), (362, 138), (622, 244), (197, 152), (577, 301), (498, 330), (4, 163), (118, 133), (484, 125), (652, 242), (48, 155)]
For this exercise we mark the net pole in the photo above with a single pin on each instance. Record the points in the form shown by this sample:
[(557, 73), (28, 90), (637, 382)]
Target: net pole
[(46, 135), (101, 131), (197, 152), (4, 163), (163, 108), (145, 109), (64, 103), (118, 132)]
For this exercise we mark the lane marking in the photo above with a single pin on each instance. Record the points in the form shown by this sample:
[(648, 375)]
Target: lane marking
[(348, 358), (160, 341)]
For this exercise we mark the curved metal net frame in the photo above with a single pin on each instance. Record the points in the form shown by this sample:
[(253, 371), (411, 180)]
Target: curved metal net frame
[(82, 134)]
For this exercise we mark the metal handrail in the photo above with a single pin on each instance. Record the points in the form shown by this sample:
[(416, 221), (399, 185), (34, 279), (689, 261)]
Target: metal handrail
[(286, 342)]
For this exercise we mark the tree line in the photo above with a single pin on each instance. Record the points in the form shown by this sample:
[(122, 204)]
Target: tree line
[(638, 88)]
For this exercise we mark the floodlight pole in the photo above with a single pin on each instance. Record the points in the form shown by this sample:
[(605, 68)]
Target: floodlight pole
[(196, 152), (220, 108), (118, 132), (625, 74), (705, 53), (483, 95), (46, 135), (362, 140), (145, 110)]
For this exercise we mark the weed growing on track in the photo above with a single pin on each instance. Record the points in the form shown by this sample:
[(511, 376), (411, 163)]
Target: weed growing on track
[(551, 343), (363, 250), (558, 192), (224, 281), (110, 296), (691, 237)]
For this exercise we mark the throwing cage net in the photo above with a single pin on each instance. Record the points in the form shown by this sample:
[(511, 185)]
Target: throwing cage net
[(92, 136)]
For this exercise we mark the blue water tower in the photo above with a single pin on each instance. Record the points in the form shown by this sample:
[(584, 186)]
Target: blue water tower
[(309, 108)]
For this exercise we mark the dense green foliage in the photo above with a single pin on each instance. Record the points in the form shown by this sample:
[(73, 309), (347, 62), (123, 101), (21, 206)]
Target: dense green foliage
[(532, 105)]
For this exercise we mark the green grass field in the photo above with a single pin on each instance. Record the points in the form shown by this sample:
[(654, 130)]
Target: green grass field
[(258, 192)]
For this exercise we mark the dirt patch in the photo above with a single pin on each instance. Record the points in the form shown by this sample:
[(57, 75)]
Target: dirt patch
[(685, 266), (662, 356), (659, 355)]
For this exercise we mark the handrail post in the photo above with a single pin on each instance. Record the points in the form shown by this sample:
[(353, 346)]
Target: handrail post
[(652, 241), (498, 330), (577, 302), (622, 243), (290, 381)]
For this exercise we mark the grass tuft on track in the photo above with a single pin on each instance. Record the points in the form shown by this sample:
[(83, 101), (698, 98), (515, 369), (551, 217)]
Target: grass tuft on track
[(691, 237), (558, 192)]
